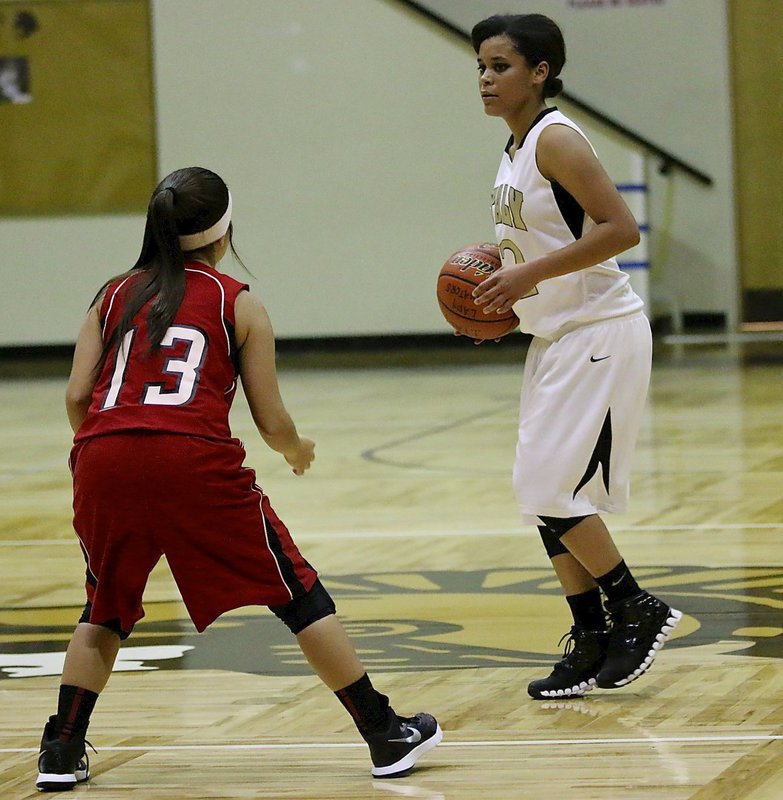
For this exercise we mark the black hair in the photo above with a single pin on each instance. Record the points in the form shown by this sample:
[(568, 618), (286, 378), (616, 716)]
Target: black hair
[(534, 36), (187, 201)]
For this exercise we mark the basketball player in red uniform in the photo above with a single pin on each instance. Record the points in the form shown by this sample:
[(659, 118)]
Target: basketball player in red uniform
[(157, 472)]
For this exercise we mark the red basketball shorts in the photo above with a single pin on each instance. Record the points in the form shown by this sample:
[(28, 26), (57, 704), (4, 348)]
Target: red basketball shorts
[(138, 496)]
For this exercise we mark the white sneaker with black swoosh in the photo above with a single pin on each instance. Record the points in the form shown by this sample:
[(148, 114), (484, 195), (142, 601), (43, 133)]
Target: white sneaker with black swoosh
[(395, 751)]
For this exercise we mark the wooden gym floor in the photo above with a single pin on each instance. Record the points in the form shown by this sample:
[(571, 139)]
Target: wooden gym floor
[(409, 516)]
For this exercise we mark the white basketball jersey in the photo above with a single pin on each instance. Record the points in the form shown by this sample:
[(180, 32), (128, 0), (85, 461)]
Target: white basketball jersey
[(533, 217)]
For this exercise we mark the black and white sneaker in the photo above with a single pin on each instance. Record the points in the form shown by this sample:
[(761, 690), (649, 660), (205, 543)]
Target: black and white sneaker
[(395, 751), (574, 675), (640, 627), (61, 765)]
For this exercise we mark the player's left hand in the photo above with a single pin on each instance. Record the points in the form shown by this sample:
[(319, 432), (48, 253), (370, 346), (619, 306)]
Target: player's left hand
[(302, 457), (499, 291)]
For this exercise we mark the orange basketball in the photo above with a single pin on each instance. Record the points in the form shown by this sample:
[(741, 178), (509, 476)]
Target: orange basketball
[(459, 276)]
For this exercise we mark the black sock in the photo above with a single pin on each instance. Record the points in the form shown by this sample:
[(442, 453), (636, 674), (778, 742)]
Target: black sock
[(368, 707), (587, 610), (74, 706), (618, 583)]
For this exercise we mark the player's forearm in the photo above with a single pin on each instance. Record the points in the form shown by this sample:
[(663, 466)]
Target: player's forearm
[(77, 412), (280, 435), (601, 243)]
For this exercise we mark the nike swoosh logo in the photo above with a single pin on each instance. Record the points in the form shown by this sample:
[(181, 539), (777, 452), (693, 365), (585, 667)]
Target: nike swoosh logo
[(415, 736), (594, 359), (622, 577)]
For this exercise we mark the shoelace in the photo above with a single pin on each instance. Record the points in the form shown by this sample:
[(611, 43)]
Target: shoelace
[(86, 758), (568, 650), (569, 644)]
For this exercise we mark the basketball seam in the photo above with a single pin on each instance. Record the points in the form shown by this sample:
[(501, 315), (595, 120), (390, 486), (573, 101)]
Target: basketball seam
[(479, 321)]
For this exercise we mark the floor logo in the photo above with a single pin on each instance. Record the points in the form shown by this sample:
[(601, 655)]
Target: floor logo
[(416, 621)]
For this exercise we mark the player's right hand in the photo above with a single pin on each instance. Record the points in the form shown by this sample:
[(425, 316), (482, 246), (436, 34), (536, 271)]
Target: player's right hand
[(301, 459)]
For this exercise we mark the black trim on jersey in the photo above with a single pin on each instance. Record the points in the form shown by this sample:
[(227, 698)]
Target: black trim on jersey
[(284, 562), (91, 579), (234, 350), (573, 213), (232, 344), (602, 454), (533, 125), (232, 337)]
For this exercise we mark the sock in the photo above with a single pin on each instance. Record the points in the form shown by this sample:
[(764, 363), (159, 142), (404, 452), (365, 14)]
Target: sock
[(74, 706), (618, 583), (587, 610), (368, 707)]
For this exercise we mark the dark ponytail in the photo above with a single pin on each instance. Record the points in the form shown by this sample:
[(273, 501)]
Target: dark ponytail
[(185, 202), (165, 281)]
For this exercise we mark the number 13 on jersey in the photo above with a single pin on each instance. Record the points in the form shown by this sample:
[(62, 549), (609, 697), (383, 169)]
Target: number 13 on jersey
[(185, 369)]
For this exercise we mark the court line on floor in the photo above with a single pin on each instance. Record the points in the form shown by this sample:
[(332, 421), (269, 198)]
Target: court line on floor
[(738, 738), (522, 530)]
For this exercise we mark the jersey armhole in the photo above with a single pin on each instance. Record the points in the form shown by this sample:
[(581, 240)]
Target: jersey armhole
[(231, 328)]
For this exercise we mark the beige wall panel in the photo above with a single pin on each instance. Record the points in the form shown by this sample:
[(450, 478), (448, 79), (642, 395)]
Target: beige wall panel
[(757, 59)]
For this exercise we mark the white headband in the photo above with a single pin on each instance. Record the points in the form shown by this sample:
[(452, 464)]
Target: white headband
[(194, 241)]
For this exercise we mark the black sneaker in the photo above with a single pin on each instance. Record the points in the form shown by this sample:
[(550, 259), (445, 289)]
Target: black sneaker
[(640, 627), (395, 751), (61, 765), (574, 674)]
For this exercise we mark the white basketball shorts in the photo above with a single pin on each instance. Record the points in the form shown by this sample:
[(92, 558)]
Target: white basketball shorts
[(581, 407)]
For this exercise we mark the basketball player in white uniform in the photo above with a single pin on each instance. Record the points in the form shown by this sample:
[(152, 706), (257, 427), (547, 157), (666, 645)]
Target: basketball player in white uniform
[(559, 222)]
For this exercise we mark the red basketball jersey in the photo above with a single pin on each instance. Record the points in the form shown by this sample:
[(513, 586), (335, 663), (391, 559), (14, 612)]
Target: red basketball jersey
[(188, 384)]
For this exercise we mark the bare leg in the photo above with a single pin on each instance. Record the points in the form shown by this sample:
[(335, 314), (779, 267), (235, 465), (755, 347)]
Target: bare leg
[(330, 653), (575, 673), (394, 750), (573, 577), (90, 657), (591, 544)]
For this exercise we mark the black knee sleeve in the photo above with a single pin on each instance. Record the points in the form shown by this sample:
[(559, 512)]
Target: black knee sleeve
[(553, 530), (561, 525), (552, 544), (113, 624), (306, 609)]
